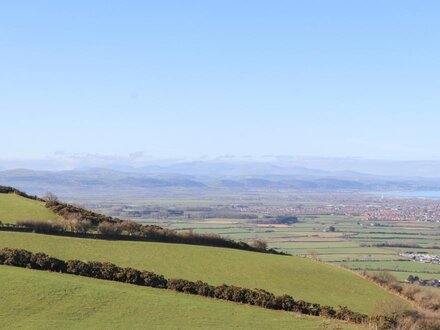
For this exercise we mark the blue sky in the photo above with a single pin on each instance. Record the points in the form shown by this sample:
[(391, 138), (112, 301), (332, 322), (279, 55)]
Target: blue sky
[(196, 78)]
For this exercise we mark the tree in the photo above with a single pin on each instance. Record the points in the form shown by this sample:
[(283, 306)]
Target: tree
[(108, 228), (50, 197), (259, 245)]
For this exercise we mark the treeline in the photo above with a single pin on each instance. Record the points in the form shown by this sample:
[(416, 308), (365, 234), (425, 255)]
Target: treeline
[(392, 244), (111, 272), (74, 226)]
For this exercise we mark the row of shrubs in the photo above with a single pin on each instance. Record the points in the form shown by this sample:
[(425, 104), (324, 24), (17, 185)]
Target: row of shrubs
[(64, 210), (80, 220), (135, 231), (11, 190), (111, 272)]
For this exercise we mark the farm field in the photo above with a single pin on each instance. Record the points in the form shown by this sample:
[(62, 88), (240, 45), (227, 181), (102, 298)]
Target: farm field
[(300, 277), (41, 300), (14, 208), (355, 243), (351, 245)]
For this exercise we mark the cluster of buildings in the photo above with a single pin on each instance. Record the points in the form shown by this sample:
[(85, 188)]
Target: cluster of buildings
[(422, 257), (386, 211)]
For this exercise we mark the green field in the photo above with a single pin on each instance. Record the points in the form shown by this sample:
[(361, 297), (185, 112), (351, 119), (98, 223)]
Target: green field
[(41, 300), (302, 278), (351, 245), (14, 208)]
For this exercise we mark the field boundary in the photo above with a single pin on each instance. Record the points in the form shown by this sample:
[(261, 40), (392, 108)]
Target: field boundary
[(108, 237), (108, 271)]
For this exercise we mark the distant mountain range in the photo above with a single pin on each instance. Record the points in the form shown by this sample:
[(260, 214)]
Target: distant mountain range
[(234, 166), (206, 176)]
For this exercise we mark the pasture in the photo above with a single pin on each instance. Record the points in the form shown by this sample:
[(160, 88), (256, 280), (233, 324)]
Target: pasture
[(302, 278), (40, 300), (14, 208)]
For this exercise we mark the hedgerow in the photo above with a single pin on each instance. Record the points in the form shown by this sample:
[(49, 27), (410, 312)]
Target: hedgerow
[(111, 272)]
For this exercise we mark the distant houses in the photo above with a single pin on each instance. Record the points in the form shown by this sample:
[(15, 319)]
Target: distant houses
[(422, 257)]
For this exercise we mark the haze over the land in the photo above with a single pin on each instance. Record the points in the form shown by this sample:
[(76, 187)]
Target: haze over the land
[(230, 165)]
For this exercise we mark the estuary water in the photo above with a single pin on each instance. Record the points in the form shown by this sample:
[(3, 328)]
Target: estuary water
[(421, 194)]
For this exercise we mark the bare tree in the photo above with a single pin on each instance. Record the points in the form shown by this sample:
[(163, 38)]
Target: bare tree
[(259, 244), (50, 197)]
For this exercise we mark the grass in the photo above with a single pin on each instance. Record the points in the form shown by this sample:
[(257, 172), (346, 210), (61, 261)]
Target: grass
[(42, 300), (403, 266), (14, 208), (302, 278)]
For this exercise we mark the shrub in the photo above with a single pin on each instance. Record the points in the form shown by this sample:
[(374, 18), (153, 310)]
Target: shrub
[(41, 226), (50, 197), (285, 302), (154, 280), (384, 278), (259, 245), (131, 227), (182, 286), (109, 228), (44, 262), (23, 258)]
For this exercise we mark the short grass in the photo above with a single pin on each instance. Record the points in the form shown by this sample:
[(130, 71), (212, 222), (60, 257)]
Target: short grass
[(14, 208), (41, 300), (302, 278)]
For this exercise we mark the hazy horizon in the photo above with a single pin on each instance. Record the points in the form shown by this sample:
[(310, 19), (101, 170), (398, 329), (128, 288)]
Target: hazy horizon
[(229, 164)]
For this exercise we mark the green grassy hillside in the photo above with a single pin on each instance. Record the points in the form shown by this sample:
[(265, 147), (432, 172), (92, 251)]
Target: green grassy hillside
[(302, 278), (42, 300), (14, 208)]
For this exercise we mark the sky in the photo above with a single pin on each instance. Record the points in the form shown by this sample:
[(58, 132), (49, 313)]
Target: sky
[(205, 78)]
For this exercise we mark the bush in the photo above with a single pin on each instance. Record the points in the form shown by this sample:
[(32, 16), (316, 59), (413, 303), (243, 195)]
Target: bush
[(182, 286), (23, 258), (384, 278), (259, 245), (131, 227), (46, 227), (109, 228), (154, 280), (76, 224)]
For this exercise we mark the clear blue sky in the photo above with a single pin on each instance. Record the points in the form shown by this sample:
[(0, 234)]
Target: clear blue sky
[(193, 78)]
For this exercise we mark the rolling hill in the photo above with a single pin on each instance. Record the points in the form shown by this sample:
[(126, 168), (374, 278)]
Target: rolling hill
[(302, 278), (40, 300), (14, 207), (37, 300)]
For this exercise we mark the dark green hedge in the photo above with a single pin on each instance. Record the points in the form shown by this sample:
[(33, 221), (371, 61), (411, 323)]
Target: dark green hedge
[(111, 272)]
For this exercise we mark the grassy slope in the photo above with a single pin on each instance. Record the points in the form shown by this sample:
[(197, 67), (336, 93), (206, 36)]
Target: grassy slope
[(302, 278), (42, 300), (14, 207)]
